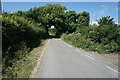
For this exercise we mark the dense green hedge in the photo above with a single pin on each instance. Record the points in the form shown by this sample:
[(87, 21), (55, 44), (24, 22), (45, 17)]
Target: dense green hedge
[(100, 39), (17, 29), (20, 35), (103, 38), (101, 34)]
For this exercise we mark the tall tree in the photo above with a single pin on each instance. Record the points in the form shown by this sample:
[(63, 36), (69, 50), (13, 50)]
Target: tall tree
[(71, 20), (106, 21), (83, 19), (49, 15), (70, 16)]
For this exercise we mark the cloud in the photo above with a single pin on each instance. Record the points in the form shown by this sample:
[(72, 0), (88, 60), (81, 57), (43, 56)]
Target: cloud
[(116, 22), (94, 22), (105, 8)]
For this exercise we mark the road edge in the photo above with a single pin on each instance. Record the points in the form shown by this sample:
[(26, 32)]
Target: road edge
[(37, 66), (101, 56)]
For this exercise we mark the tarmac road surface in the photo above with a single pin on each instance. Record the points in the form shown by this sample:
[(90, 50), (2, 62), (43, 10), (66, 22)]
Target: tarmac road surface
[(60, 60)]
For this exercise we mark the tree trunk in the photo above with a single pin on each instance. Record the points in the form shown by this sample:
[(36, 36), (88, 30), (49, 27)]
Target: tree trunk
[(46, 30)]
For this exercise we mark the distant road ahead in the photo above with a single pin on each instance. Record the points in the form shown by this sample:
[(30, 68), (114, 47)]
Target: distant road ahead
[(63, 61)]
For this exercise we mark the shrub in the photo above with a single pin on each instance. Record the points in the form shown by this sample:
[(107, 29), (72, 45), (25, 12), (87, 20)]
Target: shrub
[(20, 35), (17, 29), (80, 41)]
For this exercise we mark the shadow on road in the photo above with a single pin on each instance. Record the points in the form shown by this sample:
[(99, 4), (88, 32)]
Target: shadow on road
[(53, 36)]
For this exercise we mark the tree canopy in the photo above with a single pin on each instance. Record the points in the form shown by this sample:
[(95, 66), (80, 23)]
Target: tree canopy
[(106, 21), (63, 21)]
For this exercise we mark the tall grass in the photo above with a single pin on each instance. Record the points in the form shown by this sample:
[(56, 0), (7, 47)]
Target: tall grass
[(23, 67)]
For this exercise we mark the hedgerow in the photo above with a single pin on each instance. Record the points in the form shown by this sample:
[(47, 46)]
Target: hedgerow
[(102, 39), (20, 35)]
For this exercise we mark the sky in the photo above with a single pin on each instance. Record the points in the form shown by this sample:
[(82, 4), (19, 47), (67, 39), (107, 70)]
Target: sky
[(96, 9), (60, 0)]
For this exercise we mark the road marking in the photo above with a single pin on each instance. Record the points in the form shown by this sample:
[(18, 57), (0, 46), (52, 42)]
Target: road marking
[(90, 57), (112, 69)]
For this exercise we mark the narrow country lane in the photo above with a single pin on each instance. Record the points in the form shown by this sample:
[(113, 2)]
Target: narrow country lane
[(63, 61)]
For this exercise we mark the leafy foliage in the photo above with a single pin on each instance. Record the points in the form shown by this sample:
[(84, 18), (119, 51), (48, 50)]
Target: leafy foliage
[(55, 15), (23, 31), (17, 29), (19, 36), (106, 21), (49, 15), (83, 18), (106, 36), (80, 41)]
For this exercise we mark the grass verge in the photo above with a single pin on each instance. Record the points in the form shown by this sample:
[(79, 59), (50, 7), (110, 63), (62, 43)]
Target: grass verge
[(23, 67)]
